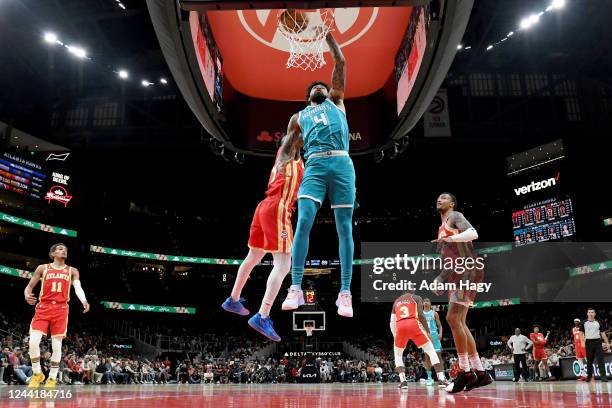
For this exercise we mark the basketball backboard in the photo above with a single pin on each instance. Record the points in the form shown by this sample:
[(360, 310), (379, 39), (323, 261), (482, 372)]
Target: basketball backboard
[(229, 60), (302, 319)]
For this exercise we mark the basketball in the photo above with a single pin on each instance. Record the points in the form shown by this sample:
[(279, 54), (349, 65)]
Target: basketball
[(293, 21)]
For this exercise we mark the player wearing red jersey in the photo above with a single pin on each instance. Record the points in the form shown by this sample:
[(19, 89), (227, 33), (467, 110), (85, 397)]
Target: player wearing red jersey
[(409, 323), (455, 237), (271, 231), (580, 348), (540, 357), (51, 310)]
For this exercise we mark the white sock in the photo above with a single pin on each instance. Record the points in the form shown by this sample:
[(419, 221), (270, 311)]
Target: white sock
[(475, 362), (282, 265), (402, 376), (252, 259), (464, 361), (53, 371)]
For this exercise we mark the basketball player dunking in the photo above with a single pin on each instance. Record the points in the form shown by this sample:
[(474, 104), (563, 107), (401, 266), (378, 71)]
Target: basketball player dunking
[(51, 310), (409, 323), (322, 129), (271, 231), (435, 329), (580, 348), (455, 237)]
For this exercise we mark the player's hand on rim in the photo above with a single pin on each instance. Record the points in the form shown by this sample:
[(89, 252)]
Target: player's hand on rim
[(31, 299)]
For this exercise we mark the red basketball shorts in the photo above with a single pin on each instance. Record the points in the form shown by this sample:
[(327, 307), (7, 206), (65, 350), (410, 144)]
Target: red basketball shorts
[(53, 316), (580, 351), (410, 329), (271, 229), (539, 354)]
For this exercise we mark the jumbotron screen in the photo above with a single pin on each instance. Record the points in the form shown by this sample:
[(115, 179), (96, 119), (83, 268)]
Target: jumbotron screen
[(41, 177), (546, 220)]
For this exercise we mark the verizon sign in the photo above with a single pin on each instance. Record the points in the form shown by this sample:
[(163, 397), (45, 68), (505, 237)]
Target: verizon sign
[(537, 185)]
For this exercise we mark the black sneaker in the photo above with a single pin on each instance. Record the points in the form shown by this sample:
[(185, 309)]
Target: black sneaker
[(404, 385), (461, 381), (482, 378)]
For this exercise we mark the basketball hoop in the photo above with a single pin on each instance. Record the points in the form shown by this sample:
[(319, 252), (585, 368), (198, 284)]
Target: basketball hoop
[(306, 37), (309, 330)]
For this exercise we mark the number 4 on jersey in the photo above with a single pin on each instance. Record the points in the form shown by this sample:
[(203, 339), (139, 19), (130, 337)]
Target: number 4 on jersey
[(322, 118)]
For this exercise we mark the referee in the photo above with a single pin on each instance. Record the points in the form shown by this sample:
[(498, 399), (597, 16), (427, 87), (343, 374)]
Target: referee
[(594, 332), (519, 345)]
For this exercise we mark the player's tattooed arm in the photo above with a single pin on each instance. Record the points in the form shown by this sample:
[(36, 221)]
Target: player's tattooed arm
[(339, 73), (29, 297), (458, 221), (291, 145)]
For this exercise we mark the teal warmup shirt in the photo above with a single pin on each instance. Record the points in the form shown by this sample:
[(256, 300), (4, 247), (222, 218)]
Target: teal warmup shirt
[(324, 128)]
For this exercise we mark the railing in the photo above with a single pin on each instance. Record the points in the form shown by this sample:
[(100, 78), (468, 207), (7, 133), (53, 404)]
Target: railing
[(176, 344), (125, 329), (358, 353)]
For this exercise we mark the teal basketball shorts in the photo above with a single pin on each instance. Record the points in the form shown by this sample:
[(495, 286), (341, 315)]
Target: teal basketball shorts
[(329, 175)]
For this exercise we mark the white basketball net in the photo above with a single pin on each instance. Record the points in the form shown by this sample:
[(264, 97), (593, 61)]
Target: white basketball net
[(306, 41)]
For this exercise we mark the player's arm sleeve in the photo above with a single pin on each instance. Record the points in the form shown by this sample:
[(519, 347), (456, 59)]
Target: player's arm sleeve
[(393, 324), (78, 289)]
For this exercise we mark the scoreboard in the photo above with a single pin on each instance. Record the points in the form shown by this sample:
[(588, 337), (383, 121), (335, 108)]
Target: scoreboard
[(545, 220), (42, 177)]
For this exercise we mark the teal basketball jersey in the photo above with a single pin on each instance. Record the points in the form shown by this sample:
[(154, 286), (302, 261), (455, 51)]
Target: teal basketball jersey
[(324, 128), (431, 321)]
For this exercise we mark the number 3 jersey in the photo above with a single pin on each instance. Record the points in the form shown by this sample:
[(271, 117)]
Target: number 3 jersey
[(55, 284), (405, 307), (324, 128)]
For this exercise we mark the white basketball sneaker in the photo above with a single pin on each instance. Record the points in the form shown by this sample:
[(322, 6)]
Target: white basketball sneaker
[(345, 304), (294, 299)]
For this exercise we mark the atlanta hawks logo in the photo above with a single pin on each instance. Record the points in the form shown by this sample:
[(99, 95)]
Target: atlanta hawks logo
[(349, 25), (284, 234)]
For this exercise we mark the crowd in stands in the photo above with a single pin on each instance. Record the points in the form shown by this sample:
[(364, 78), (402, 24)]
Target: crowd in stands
[(91, 356)]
